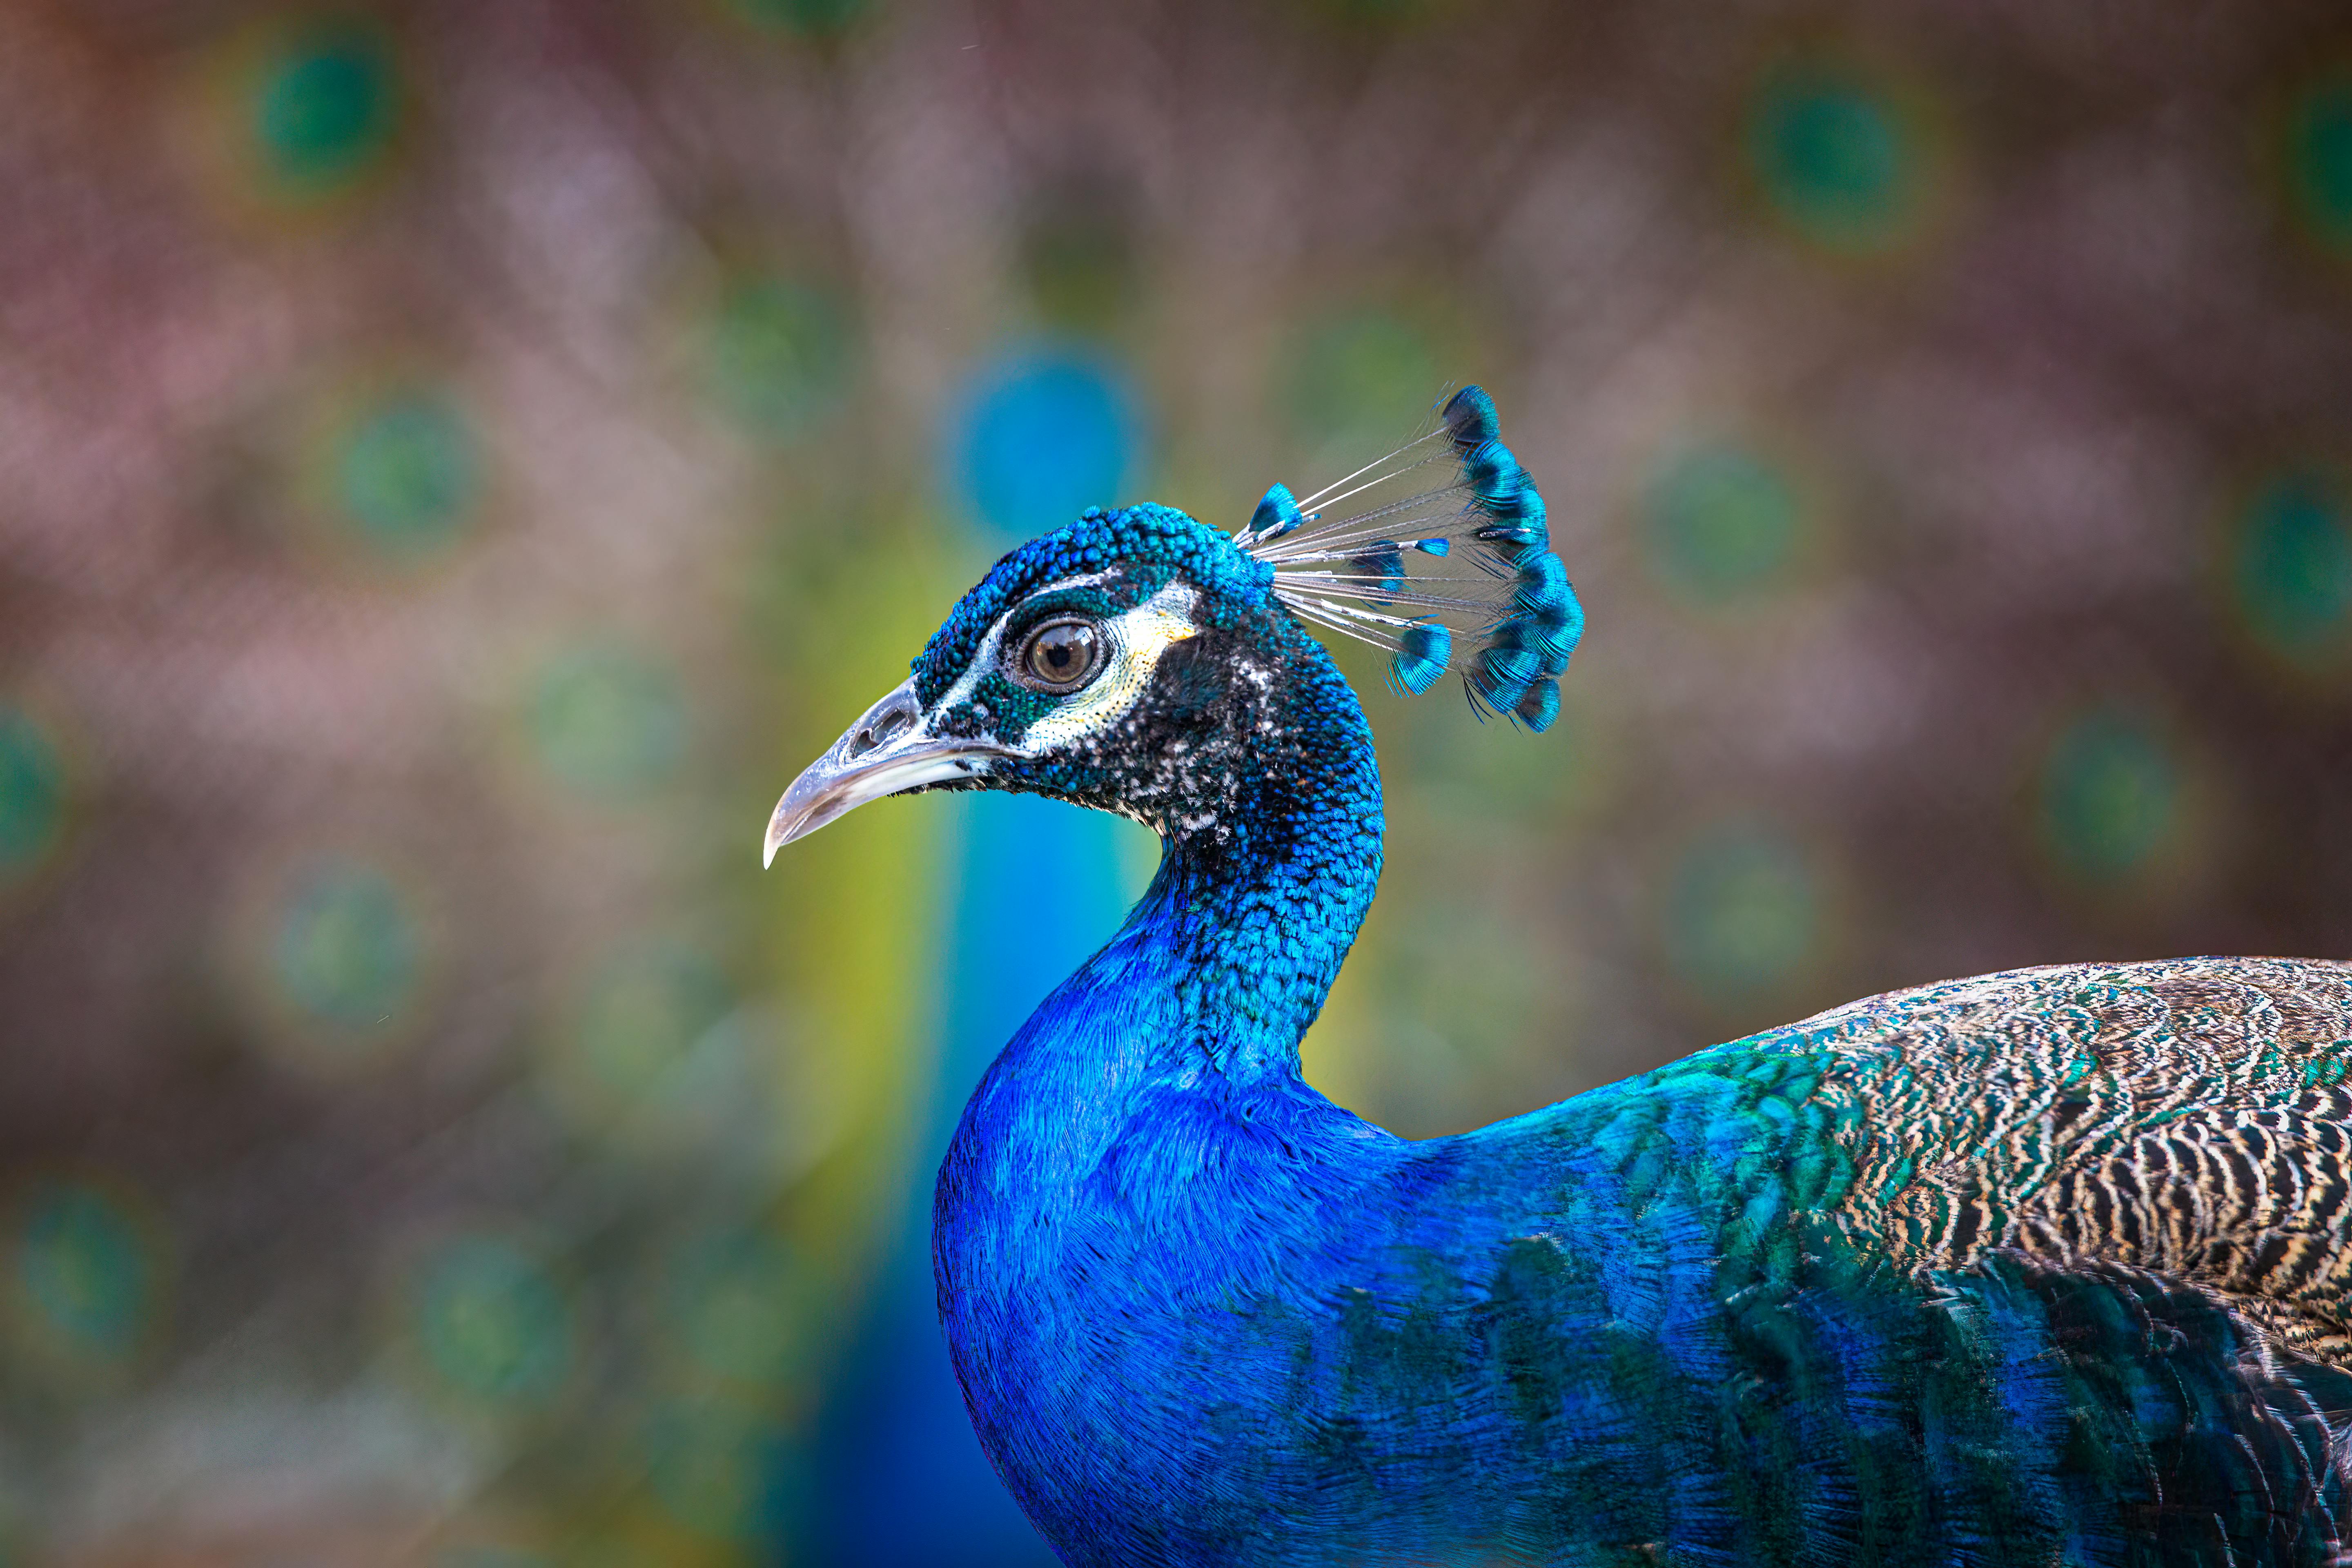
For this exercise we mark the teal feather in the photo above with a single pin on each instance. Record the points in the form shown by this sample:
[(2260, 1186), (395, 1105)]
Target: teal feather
[(1421, 657), (1540, 706), (1277, 515)]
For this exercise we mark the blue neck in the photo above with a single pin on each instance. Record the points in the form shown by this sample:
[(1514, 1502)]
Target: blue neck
[(1219, 969), (1144, 1153), (1260, 890), (1248, 937)]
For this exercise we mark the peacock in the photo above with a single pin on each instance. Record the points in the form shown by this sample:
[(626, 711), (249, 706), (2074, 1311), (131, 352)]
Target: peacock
[(2044, 1267)]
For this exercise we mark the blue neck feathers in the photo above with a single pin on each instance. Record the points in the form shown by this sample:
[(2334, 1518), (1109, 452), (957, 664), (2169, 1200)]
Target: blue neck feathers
[(1265, 875), (1145, 1136), (1254, 927), (1205, 991)]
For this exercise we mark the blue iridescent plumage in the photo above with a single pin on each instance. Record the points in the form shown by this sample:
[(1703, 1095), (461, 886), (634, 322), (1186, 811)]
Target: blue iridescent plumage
[(2047, 1267)]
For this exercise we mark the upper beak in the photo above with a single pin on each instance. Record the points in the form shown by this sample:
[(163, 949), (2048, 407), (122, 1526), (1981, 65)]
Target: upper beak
[(887, 751)]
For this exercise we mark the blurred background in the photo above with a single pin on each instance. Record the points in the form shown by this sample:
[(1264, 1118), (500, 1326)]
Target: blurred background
[(459, 459)]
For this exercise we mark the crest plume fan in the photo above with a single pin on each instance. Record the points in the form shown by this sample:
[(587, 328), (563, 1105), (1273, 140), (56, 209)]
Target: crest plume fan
[(1464, 561)]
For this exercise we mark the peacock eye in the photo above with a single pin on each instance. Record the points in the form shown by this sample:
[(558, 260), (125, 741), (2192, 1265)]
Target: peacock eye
[(1060, 655)]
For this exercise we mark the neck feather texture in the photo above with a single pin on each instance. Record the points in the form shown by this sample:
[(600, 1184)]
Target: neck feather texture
[(1262, 886), (1208, 987)]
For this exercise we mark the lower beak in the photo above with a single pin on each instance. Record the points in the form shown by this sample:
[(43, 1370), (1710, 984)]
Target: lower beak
[(887, 751)]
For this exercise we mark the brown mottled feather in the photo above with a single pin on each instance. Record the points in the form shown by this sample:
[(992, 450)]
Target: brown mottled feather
[(2190, 1116)]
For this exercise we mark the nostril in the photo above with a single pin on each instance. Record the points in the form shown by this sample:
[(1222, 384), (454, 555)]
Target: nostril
[(881, 733)]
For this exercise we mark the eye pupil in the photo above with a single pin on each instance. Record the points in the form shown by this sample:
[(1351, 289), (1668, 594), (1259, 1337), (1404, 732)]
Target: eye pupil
[(1063, 654)]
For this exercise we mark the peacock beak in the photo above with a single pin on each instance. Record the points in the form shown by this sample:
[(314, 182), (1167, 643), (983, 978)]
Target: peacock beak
[(887, 750)]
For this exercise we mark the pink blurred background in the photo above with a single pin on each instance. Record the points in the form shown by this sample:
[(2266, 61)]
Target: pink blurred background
[(457, 461)]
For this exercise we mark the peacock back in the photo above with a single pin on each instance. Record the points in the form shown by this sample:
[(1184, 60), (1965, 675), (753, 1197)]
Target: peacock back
[(2047, 1266)]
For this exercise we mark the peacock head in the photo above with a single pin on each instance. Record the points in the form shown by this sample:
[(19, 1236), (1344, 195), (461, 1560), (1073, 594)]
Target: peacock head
[(1137, 662)]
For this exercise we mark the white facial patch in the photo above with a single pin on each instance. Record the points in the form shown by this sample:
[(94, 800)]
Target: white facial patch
[(1137, 641)]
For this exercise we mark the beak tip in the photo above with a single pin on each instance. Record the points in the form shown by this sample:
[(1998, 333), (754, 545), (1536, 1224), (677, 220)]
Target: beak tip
[(859, 767)]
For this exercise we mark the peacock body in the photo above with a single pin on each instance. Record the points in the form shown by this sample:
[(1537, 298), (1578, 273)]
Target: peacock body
[(2047, 1267)]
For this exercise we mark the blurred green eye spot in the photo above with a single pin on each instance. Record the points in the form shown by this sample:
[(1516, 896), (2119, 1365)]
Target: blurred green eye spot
[(2290, 569), (2110, 797), (608, 721), (32, 794), (85, 1272), (813, 19), (1744, 911), (1835, 156), (347, 953), (492, 1323), (2319, 161), (407, 474), (780, 353), (1721, 523), (326, 108)]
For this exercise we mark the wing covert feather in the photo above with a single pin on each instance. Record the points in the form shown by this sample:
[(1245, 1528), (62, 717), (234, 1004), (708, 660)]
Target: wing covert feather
[(2190, 1117)]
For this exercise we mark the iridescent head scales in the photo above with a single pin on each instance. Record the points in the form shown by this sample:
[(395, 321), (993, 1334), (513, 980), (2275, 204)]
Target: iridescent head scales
[(1145, 536)]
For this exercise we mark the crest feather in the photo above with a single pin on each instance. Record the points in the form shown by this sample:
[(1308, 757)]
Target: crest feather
[(1463, 564)]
